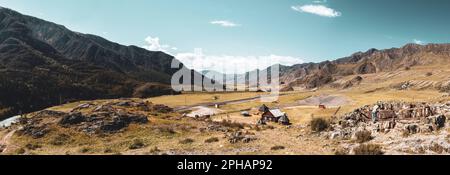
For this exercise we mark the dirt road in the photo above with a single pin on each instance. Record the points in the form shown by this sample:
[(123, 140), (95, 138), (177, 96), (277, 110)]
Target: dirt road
[(212, 104), (5, 141)]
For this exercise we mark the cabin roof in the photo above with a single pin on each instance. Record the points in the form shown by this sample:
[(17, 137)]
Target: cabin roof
[(276, 113)]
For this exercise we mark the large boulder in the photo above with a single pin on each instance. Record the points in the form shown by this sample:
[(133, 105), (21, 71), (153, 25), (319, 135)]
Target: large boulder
[(439, 121), (121, 121), (412, 129), (72, 119)]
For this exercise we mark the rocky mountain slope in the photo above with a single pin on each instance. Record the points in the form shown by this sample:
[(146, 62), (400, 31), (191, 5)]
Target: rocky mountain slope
[(313, 75), (44, 64)]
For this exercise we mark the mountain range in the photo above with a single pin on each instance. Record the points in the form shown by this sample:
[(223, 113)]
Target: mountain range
[(44, 64), (313, 75)]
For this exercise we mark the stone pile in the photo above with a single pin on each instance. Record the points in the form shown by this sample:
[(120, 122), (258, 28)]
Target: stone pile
[(397, 121), (239, 136)]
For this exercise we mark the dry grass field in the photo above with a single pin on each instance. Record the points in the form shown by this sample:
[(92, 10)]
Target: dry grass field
[(170, 134)]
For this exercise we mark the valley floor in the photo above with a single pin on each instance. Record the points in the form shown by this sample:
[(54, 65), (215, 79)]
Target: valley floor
[(227, 131)]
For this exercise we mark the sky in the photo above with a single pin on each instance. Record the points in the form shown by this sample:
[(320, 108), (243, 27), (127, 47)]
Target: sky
[(248, 34)]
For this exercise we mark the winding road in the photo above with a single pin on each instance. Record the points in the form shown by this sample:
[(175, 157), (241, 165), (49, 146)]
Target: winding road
[(212, 104), (5, 141)]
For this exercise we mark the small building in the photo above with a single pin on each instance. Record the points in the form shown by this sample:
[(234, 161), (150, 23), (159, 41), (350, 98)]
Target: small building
[(272, 115), (322, 107)]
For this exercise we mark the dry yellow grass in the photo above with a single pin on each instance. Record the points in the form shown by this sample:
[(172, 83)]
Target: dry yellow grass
[(158, 137), (196, 98)]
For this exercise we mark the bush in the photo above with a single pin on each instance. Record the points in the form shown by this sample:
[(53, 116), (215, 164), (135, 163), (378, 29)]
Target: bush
[(187, 141), (363, 136), (154, 150), (165, 129), (429, 74), (85, 150), (405, 133), (20, 151), (341, 152), (231, 124), (437, 148), (275, 148), (319, 124), (212, 140), (32, 146), (137, 144), (368, 149), (60, 139), (108, 150)]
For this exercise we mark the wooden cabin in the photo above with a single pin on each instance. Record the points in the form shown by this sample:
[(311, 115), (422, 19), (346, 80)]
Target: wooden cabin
[(272, 115)]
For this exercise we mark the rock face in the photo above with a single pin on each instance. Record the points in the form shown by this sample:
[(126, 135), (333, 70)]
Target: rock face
[(102, 118), (43, 64), (402, 128), (313, 75)]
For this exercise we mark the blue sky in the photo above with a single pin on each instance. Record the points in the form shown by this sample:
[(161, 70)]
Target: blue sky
[(290, 31)]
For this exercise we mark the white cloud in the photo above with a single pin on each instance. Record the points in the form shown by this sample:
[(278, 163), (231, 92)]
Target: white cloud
[(320, 1), (223, 63), (419, 42), (154, 44), (224, 23), (233, 64), (320, 10)]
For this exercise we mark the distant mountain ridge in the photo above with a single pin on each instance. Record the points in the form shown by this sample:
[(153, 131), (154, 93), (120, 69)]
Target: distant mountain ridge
[(44, 64), (313, 75)]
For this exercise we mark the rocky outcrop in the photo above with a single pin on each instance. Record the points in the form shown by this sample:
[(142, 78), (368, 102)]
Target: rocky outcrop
[(102, 118), (402, 128)]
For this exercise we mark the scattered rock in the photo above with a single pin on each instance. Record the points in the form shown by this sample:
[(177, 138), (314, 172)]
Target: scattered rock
[(72, 119), (34, 131), (412, 129), (238, 136), (137, 144)]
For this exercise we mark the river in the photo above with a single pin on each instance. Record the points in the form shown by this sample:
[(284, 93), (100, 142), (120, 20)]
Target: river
[(9, 121)]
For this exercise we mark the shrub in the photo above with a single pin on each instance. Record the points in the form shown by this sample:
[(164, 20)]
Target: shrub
[(154, 150), (212, 140), (363, 136), (368, 149), (319, 124), (341, 152), (166, 129), (437, 148), (85, 150), (108, 150), (405, 133), (429, 74), (20, 151), (60, 139), (275, 148), (187, 141), (32, 146), (137, 144), (231, 124)]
